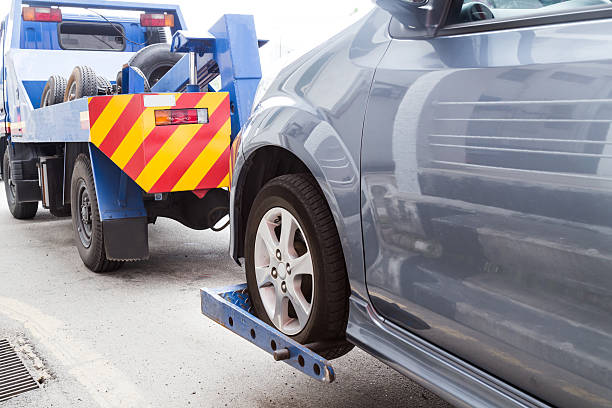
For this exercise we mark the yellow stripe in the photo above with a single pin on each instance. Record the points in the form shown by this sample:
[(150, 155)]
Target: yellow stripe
[(166, 155), (108, 117), (207, 158), (211, 100), (133, 139), (225, 182)]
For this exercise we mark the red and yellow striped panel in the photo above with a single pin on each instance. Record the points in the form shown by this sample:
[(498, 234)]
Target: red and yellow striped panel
[(164, 158)]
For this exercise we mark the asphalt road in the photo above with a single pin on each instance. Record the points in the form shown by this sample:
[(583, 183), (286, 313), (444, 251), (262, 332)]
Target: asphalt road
[(136, 338)]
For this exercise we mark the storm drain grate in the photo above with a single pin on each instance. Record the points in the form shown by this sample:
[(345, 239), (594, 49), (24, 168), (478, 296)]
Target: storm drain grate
[(14, 377)]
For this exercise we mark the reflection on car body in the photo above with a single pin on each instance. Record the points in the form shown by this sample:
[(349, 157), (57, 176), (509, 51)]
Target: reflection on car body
[(477, 156)]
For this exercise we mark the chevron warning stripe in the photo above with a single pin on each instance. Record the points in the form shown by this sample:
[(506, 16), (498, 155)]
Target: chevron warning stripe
[(164, 158)]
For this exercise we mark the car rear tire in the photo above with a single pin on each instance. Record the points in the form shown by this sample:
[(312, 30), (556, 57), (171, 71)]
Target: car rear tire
[(88, 233), (21, 211), (295, 266), (82, 82), (54, 91), (154, 61)]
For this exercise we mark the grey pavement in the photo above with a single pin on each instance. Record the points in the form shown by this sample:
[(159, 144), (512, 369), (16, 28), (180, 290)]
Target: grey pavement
[(136, 337)]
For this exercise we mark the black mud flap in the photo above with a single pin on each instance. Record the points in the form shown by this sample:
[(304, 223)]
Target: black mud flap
[(126, 239)]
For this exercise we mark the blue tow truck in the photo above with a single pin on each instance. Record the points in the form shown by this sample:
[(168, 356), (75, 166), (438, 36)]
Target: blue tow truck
[(114, 120), (104, 120)]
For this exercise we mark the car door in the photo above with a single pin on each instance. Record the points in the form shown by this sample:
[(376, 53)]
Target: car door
[(487, 187)]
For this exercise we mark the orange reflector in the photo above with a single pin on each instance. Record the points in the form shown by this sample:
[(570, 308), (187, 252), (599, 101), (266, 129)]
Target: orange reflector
[(157, 20), (165, 117), (41, 14)]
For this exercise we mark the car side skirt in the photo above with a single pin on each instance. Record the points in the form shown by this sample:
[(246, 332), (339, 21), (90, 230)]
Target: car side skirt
[(451, 378)]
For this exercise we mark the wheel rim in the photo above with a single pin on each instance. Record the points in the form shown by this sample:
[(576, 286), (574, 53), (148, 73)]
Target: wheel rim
[(85, 224), (45, 101), (284, 270), (72, 91)]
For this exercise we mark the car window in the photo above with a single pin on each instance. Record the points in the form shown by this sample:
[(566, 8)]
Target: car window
[(469, 11)]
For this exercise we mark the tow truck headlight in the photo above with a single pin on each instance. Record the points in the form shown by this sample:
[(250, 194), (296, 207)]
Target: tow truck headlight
[(165, 117), (157, 20), (41, 14)]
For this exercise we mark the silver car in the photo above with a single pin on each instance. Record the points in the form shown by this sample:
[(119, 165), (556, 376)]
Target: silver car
[(434, 184)]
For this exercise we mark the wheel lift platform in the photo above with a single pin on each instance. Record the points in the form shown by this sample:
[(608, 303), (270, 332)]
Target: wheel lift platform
[(231, 308)]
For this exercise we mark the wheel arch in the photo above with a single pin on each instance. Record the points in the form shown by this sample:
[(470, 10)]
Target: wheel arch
[(262, 165)]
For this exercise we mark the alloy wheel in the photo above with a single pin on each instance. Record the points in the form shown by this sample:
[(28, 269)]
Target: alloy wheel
[(284, 270)]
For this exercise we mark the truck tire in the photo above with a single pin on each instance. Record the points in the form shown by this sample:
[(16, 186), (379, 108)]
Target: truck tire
[(154, 61), (295, 267), (88, 233), (82, 82), (21, 211), (54, 91), (104, 86)]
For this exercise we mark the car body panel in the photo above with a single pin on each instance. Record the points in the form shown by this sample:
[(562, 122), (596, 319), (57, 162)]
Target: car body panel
[(488, 209), (305, 112), (466, 265)]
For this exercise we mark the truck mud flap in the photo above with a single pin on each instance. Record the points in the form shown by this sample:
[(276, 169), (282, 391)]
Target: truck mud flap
[(231, 308)]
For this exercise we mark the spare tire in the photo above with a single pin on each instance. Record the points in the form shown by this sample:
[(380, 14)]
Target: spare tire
[(154, 61), (54, 91), (82, 82), (104, 86)]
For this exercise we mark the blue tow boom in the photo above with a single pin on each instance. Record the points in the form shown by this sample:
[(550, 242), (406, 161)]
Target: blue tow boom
[(231, 308)]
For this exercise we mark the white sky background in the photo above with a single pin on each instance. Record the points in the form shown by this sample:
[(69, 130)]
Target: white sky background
[(292, 26)]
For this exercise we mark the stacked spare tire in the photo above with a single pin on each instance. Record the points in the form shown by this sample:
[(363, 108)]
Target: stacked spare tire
[(151, 63)]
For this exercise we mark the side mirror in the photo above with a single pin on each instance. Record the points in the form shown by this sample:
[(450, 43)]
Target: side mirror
[(422, 16)]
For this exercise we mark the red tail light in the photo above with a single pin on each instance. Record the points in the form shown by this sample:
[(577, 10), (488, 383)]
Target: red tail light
[(167, 117), (41, 14), (157, 20)]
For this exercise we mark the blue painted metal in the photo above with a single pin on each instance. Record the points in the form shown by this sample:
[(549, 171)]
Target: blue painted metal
[(118, 195), (231, 308), (43, 35), (34, 90), (232, 43), (131, 82), (175, 79), (179, 21), (237, 54), (184, 41)]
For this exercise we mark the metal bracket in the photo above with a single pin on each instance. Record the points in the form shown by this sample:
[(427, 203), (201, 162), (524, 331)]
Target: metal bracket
[(231, 308)]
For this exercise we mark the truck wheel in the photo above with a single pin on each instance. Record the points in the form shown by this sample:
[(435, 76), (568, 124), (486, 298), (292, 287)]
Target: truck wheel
[(154, 61), (82, 82), (54, 91), (104, 86), (89, 237), (21, 211), (295, 265)]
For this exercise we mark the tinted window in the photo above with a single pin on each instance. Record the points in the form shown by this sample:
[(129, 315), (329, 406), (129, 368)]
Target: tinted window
[(467, 11), (91, 36)]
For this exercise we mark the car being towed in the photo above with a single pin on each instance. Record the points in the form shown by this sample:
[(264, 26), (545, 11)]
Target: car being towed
[(435, 184)]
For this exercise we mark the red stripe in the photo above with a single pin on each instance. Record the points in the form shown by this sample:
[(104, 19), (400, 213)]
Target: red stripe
[(155, 140), (188, 100), (96, 107), (196, 145), (122, 126), (217, 172)]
